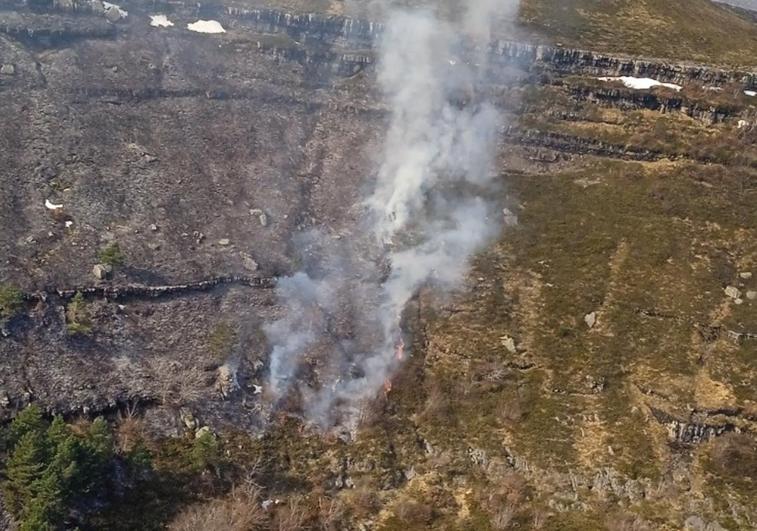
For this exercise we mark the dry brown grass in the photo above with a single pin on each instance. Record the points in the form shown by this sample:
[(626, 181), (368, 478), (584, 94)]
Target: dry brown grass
[(413, 512), (292, 516), (735, 456), (239, 511)]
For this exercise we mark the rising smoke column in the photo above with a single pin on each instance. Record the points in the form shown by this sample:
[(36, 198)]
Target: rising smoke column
[(428, 212)]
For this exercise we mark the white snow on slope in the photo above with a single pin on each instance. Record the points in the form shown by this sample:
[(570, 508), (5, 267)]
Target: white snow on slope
[(206, 26), (751, 93), (641, 83), (160, 21), (52, 206)]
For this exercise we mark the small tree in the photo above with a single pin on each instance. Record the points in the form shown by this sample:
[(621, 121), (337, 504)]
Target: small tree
[(77, 315), (111, 255), (11, 300), (205, 451)]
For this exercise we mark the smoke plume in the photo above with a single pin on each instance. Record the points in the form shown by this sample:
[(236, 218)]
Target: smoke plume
[(427, 214)]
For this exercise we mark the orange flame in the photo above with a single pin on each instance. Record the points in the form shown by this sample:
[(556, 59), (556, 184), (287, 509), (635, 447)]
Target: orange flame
[(399, 355), (399, 350)]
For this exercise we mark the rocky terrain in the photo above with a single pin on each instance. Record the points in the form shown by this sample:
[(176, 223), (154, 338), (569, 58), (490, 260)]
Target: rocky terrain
[(597, 370)]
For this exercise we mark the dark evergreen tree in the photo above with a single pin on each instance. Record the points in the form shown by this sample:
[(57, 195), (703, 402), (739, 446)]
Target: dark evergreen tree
[(26, 465), (28, 420)]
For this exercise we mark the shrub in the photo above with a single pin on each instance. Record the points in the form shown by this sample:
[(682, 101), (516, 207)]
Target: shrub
[(240, 511), (111, 255), (11, 300), (77, 316), (222, 340), (291, 516), (205, 451), (413, 512)]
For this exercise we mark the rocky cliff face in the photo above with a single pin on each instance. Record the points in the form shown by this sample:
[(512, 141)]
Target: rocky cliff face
[(345, 31)]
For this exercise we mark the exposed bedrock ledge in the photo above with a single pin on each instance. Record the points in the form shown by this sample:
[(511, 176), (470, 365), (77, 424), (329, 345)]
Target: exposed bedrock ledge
[(54, 30), (117, 292), (690, 432), (628, 100), (563, 60), (568, 60), (578, 145), (351, 31), (542, 57), (703, 425)]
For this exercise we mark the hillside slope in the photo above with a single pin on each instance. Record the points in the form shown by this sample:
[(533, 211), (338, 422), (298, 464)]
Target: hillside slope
[(597, 369), (692, 30)]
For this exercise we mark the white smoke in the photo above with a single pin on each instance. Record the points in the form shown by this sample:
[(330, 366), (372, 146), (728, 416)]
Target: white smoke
[(427, 215)]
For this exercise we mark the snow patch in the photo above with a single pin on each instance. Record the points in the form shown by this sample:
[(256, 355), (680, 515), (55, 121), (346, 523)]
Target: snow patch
[(641, 83), (160, 21), (52, 206), (751, 93), (206, 26), (108, 6)]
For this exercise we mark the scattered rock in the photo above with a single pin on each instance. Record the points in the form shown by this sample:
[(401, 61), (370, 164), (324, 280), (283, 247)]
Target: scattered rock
[(249, 263), (733, 292), (113, 15), (585, 183), (590, 319), (509, 343), (153, 227), (205, 430), (102, 271), (188, 419), (7, 70), (262, 217), (52, 206), (227, 380), (478, 456), (510, 218), (224, 242), (746, 275), (751, 295), (198, 236), (596, 385), (696, 523)]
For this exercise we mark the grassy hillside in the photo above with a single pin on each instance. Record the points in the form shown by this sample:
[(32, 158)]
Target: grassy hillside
[(696, 30)]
